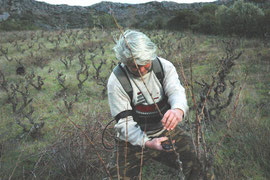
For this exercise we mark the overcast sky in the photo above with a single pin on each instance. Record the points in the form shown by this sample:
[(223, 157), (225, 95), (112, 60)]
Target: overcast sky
[(91, 2)]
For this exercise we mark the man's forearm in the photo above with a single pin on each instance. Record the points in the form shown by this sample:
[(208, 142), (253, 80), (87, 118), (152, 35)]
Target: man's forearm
[(130, 131)]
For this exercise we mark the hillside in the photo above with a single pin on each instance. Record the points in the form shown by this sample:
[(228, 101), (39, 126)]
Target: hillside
[(45, 16)]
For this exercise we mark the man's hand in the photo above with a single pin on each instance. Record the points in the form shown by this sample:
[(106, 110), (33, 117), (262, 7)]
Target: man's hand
[(171, 118), (156, 143)]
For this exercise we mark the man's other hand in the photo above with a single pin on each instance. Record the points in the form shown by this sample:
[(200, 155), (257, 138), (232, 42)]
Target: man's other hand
[(171, 118), (156, 143)]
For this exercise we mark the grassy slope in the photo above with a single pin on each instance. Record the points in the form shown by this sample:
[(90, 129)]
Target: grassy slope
[(242, 155)]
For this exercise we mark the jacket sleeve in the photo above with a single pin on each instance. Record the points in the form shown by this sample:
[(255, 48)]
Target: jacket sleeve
[(173, 88), (119, 101)]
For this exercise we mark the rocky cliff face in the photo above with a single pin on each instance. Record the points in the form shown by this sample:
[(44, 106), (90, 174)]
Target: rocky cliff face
[(45, 15), (48, 16)]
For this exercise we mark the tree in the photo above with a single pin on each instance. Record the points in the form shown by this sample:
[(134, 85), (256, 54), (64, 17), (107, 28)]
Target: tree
[(106, 21), (207, 24), (224, 20), (241, 19), (184, 20), (208, 8), (265, 24), (207, 21)]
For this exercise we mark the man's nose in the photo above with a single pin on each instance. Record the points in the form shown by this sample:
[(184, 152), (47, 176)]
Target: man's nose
[(142, 69)]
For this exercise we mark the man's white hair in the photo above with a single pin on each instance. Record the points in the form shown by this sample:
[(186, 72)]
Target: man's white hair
[(143, 49)]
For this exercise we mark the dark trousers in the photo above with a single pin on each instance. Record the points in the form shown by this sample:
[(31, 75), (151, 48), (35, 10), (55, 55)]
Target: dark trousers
[(127, 159)]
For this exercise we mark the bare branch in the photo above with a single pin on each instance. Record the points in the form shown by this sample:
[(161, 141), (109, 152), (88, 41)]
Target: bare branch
[(84, 70), (65, 62), (69, 105), (30, 80), (97, 67), (61, 81)]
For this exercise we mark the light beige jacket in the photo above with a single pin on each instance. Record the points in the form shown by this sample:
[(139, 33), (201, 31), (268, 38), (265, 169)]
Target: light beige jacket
[(119, 100)]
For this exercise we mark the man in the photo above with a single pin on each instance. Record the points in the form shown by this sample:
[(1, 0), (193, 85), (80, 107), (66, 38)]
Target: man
[(134, 92)]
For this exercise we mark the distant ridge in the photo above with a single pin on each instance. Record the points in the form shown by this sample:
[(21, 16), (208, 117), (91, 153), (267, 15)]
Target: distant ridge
[(47, 16)]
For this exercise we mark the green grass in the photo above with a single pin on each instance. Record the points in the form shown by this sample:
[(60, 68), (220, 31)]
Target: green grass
[(242, 155)]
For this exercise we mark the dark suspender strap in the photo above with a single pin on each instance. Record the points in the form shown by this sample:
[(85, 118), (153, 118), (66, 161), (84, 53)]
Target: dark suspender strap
[(121, 75), (123, 114), (158, 70)]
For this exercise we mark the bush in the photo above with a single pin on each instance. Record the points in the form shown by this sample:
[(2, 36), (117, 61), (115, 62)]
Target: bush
[(207, 24), (207, 21), (106, 21), (241, 19), (17, 25), (183, 20)]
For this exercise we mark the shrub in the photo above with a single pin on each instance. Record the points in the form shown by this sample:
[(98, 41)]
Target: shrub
[(241, 19), (183, 20)]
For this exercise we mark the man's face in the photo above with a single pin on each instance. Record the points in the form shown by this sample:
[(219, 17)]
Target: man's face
[(144, 69)]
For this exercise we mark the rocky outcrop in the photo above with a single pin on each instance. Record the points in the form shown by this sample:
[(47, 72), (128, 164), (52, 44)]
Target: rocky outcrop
[(122, 10), (47, 16)]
